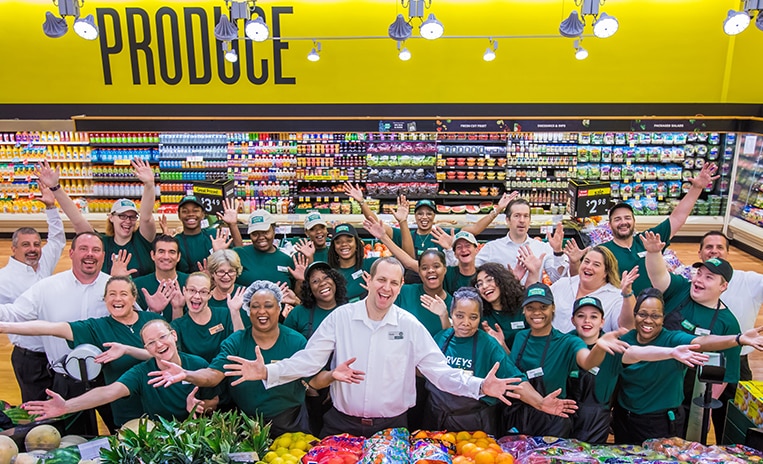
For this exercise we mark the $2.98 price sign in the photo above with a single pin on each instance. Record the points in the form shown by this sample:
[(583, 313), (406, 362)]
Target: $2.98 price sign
[(591, 200)]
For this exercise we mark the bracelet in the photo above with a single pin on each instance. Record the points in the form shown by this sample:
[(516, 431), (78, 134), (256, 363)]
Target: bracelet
[(51, 207), (739, 342), (558, 253), (55, 187), (627, 295)]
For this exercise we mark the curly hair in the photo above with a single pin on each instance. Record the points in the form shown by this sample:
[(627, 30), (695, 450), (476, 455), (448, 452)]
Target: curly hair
[(340, 294), (359, 254), (512, 292), (258, 285), (466, 294)]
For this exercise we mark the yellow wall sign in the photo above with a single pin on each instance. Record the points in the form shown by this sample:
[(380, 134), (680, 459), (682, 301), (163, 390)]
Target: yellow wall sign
[(165, 52)]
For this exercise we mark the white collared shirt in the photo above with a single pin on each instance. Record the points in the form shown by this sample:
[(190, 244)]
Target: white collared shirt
[(16, 277), (504, 252), (565, 291), (58, 298), (388, 354), (743, 297)]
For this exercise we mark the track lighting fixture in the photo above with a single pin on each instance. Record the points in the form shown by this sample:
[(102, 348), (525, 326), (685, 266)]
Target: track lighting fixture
[(315, 53), (429, 28), (55, 27), (490, 52)]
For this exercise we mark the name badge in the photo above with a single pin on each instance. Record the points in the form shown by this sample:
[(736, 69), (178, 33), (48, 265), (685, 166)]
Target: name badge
[(282, 269), (393, 335), (533, 373), (517, 325), (688, 326), (594, 370), (204, 223), (701, 331), (469, 373), (357, 274), (642, 254), (216, 329), (575, 374)]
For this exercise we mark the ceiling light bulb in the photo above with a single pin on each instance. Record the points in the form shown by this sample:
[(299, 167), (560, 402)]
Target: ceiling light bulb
[(404, 54), (86, 28), (489, 54), (313, 55), (54, 27), (431, 28), (605, 26), (257, 30), (736, 22), (231, 56), (581, 53)]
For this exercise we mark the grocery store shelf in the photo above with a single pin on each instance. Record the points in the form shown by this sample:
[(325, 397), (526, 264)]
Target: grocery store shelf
[(472, 168), (745, 232), (466, 181), (125, 145), (468, 197)]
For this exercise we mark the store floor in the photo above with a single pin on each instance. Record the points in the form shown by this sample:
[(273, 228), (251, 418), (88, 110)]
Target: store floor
[(687, 252)]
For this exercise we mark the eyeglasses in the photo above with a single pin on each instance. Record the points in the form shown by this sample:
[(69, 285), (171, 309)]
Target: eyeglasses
[(481, 283), (221, 273), (654, 317), (127, 217), (319, 280), (192, 291), (162, 338)]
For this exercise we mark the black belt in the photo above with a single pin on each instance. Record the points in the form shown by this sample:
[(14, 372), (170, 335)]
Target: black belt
[(25, 352), (368, 421)]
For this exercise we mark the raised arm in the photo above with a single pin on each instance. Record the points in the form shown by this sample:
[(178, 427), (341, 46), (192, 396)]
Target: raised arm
[(655, 264), (174, 373), (485, 221), (686, 354), (682, 211), (230, 217), (56, 406), (549, 404), (145, 174), (50, 177), (55, 329), (376, 229), (56, 240), (751, 338), (626, 318), (401, 216), (608, 343), (354, 192)]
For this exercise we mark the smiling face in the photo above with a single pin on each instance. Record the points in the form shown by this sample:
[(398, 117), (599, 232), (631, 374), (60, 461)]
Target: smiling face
[(263, 240), (323, 288), (707, 287), (649, 319), (191, 215), (487, 287), (385, 285), (465, 251), (119, 298), (318, 235), (166, 255), (593, 270), (713, 246), (518, 220), (424, 219), (622, 223), (263, 311), (588, 322), (27, 248), (466, 317), (224, 277), (345, 247), (432, 271), (160, 341), (124, 224), (87, 256), (539, 316), (197, 293)]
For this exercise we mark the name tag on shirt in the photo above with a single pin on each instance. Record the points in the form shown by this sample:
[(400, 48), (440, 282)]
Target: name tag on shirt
[(282, 269), (688, 326), (518, 325), (701, 331), (533, 373), (394, 335), (469, 373), (357, 274), (594, 370), (642, 254), (216, 329)]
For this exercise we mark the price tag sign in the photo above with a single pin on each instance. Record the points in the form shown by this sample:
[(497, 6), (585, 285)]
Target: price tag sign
[(589, 198), (212, 194)]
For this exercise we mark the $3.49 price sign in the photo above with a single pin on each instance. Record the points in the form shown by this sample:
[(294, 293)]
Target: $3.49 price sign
[(211, 199)]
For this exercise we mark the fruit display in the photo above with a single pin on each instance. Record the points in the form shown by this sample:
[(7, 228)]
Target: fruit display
[(8, 449), (289, 448), (43, 437)]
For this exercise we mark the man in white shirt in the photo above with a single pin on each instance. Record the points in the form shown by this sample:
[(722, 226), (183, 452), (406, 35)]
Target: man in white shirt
[(29, 263), (504, 251), (71, 295)]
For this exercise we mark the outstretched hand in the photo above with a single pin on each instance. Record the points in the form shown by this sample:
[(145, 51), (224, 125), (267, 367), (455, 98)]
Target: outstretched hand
[(495, 332), (119, 263), (689, 355), (344, 373), (48, 409), (170, 374), (115, 351), (611, 343), (246, 369), (652, 242), (502, 389), (556, 406), (194, 406), (753, 338)]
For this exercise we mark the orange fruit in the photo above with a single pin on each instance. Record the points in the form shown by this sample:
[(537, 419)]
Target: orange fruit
[(504, 458), (482, 443), (496, 447), (469, 450), (479, 434), (462, 460), (463, 435), (420, 434), (484, 457), (449, 437)]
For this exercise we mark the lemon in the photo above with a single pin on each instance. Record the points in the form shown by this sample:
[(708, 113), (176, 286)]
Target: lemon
[(280, 451), (269, 456)]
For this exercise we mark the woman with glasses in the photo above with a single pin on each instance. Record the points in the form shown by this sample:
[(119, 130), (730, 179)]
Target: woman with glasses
[(224, 266), (174, 402), (202, 329), (502, 296), (129, 231), (118, 335)]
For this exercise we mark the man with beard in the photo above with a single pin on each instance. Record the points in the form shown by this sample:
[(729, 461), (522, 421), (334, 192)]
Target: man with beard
[(29, 263), (73, 295), (630, 252)]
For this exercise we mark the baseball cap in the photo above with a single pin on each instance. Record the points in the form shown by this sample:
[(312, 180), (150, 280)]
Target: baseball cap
[(190, 199), (538, 292), (316, 266), (468, 236), (259, 221), (122, 205), (587, 301), (622, 204), (314, 219), (345, 229), (425, 203), (717, 266)]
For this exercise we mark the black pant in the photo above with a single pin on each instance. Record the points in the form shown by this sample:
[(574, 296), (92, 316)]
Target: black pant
[(719, 415), (416, 413), (84, 422), (318, 403), (335, 422), (745, 373), (32, 373), (633, 429)]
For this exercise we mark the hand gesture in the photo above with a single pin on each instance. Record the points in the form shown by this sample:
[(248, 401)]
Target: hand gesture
[(366, 279), (46, 174), (374, 227), (551, 404), (518, 270), (236, 299), (529, 261), (503, 389), (434, 305), (688, 355), (194, 406), (143, 171), (506, 198), (706, 176), (652, 242), (170, 373), (177, 299), (402, 209), (203, 267), (307, 248), (47, 196), (289, 297), (442, 238), (286, 310), (157, 301), (573, 251), (222, 239), (344, 373), (48, 409), (353, 191), (626, 282), (753, 338), (246, 369), (300, 266), (165, 228), (611, 343), (119, 263), (230, 212), (114, 352), (495, 332), (557, 238)]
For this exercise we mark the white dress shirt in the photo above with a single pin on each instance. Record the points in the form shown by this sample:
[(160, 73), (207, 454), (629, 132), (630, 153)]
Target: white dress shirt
[(504, 252), (389, 354), (743, 298), (16, 277), (58, 298), (565, 291)]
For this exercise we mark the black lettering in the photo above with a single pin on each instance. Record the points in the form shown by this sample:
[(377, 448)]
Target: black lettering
[(143, 45), (236, 67), (172, 16), (206, 75), (107, 50), (279, 45)]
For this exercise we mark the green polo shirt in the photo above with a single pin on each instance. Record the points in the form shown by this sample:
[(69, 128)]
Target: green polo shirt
[(647, 387), (151, 285), (410, 300), (300, 317), (322, 254), (203, 340), (697, 316), (628, 258), (98, 331), (510, 323), (421, 243), (455, 280), (460, 354), (561, 357), (252, 397), (168, 402), (223, 304), (355, 278), (606, 375), (194, 249), (138, 247), (264, 266)]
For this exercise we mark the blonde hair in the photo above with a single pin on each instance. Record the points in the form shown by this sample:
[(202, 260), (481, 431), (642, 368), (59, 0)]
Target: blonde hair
[(152, 322), (611, 269)]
